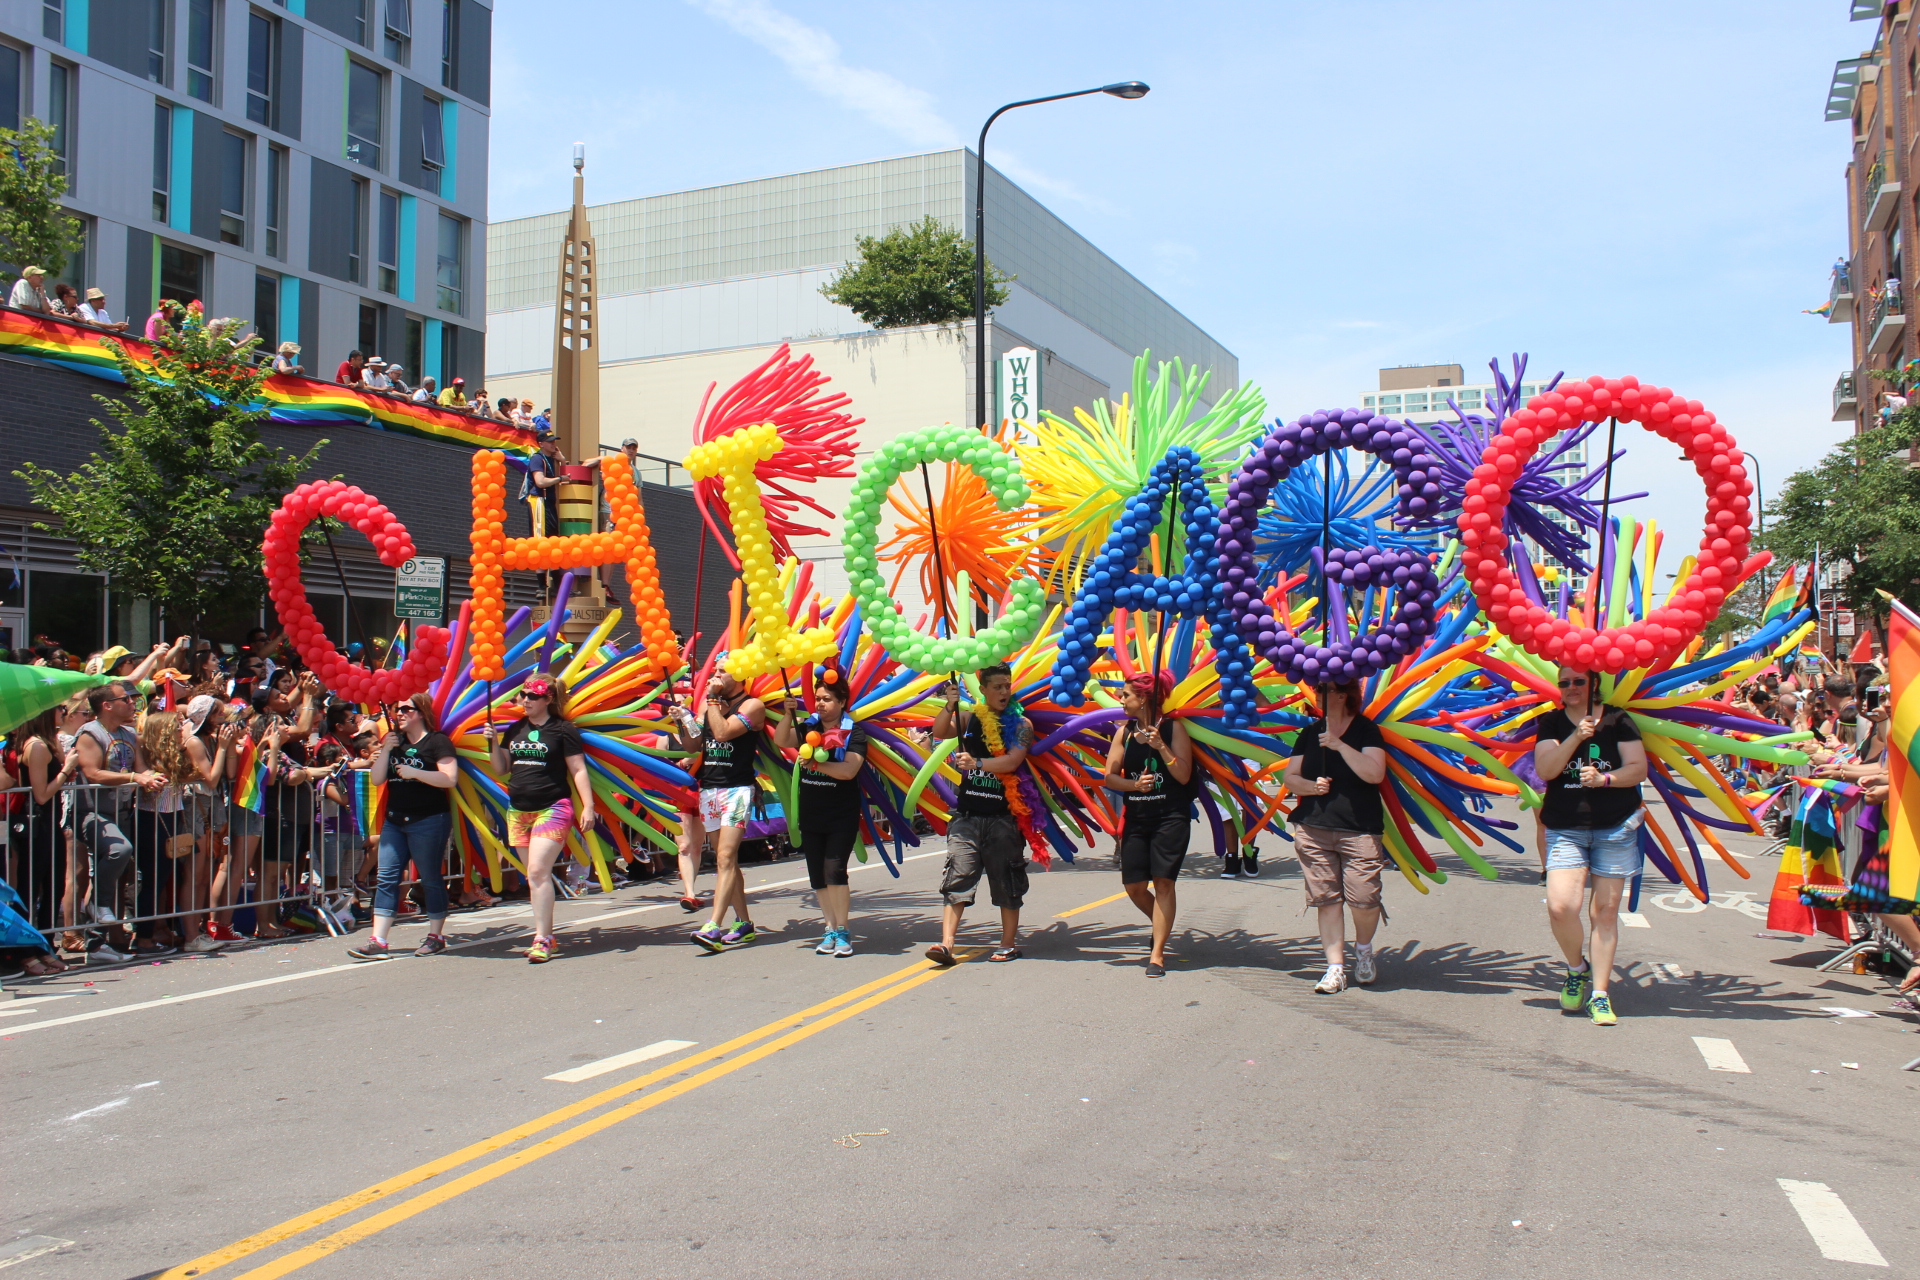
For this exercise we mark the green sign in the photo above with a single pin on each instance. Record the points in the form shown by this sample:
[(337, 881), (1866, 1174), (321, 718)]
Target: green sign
[(420, 589)]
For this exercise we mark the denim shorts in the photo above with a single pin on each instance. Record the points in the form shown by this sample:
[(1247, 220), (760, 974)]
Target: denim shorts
[(1603, 851)]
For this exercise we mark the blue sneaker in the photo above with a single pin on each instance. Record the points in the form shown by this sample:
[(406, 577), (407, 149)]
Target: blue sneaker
[(826, 944), (712, 937), (843, 944), (740, 935)]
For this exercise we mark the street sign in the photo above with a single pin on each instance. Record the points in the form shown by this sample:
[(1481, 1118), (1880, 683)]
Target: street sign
[(1843, 622), (420, 589)]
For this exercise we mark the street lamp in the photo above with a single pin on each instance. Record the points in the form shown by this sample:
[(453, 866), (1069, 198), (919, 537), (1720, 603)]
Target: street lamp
[(1124, 89)]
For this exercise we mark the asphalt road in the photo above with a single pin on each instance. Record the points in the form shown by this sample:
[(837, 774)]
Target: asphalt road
[(278, 1111)]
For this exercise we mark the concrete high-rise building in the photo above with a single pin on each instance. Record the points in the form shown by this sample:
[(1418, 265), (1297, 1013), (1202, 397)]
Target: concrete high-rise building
[(316, 167)]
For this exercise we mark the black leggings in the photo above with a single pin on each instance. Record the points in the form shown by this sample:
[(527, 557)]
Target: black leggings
[(827, 850)]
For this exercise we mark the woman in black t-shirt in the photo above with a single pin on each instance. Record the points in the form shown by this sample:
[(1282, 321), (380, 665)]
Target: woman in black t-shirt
[(833, 750), (1338, 764), (1592, 761), (418, 765), (541, 754), (1150, 763)]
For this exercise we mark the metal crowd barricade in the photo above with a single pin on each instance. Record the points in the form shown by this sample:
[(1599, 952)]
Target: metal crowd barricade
[(91, 858)]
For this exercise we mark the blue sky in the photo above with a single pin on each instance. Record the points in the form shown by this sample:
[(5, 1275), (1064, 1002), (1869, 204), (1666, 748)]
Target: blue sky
[(1327, 188)]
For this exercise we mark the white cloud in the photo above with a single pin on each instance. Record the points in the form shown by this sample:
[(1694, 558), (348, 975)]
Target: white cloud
[(814, 58)]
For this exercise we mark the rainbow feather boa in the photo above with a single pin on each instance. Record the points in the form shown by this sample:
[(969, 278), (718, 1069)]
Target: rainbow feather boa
[(1017, 783)]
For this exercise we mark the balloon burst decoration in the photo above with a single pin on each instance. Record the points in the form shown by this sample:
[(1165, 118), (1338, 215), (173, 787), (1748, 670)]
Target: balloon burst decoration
[(1406, 613), (1020, 618), (281, 552), (1720, 568), (818, 439), (963, 532)]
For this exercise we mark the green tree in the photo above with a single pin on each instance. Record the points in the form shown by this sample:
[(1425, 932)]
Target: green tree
[(1859, 506), (173, 506), (921, 274), (35, 228)]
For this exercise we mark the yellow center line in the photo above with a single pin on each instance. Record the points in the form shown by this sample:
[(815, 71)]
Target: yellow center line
[(399, 1182), (1091, 905), (567, 1137)]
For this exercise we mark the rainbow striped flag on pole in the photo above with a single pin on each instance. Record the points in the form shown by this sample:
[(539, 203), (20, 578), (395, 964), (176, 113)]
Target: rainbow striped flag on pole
[(1903, 739), (1781, 602), (249, 789)]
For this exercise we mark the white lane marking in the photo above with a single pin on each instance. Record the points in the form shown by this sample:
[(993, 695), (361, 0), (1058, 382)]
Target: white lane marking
[(29, 1247), (1721, 1055), (1664, 972), (14, 1013), (99, 1110), (581, 923), (1633, 920), (1831, 1224), (1841, 1011), (658, 1049)]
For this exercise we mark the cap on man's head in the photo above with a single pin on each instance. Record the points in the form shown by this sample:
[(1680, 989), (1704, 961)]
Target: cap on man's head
[(96, 294), (629, 443), (459, 382), (34, 271)]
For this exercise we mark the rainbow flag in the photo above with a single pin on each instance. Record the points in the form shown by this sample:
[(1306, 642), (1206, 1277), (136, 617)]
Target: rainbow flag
[(249, 790), (369, 802), (287, 399), (1811, 861), (1780, 603), (1903, 737)]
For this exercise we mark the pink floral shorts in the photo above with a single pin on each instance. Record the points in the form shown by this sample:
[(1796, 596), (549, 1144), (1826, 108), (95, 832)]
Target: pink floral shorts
[(551, 823)]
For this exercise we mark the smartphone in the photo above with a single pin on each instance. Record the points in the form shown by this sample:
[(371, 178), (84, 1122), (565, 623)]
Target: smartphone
[(1872, 702)]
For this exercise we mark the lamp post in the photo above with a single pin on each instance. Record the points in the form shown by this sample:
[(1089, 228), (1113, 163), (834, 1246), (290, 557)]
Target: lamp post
[(1124, 89)]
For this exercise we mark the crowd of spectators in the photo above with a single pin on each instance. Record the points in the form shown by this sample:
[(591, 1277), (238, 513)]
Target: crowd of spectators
[(125, 834)]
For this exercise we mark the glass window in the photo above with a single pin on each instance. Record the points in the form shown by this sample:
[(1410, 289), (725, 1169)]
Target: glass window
[(388, 243), (433, 134), (157, 24), (359, 21), (412, 348), (75, 272), (53, 20), (1389, 402), (59, 106), (1416, 397), (369, 328), (182, 273), (266, 312), (449, 45), (233, 188), (162, 158), (1370, 402), (200, 36), (364, 92), (9, 87), (356, 236), (276, 197), (263, 40), (450, 262), (399, 34)]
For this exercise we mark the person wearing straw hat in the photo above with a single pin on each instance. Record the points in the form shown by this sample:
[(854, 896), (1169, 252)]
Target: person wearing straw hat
[(374, 375), (1150, 762), (94, 311), (285, 359), (30, 291)]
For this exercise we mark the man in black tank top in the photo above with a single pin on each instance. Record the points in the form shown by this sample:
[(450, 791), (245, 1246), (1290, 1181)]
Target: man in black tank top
[(726, 733), (983, 837)]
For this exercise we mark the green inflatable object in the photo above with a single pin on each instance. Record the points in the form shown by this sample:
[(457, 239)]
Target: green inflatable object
[(27, 691), (861, 531)]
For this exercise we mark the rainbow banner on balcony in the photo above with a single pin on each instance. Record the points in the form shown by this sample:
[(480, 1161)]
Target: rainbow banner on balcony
[(296, 401)]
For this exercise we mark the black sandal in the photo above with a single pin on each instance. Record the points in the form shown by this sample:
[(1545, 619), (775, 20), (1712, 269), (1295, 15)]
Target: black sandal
[(1005, 954), (939, 954)]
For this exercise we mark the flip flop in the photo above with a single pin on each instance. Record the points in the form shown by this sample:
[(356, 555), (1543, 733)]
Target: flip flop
[(941, 956), (1005, 954)]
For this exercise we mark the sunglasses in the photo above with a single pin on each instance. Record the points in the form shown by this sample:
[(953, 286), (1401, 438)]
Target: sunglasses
[(406, 709), (526, 694), (1573, 684), (121, 697)]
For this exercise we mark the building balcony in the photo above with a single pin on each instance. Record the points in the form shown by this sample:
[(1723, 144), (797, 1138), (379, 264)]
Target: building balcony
[(1881, 196), (1888, 322), (1846, 401), (1840, 298)]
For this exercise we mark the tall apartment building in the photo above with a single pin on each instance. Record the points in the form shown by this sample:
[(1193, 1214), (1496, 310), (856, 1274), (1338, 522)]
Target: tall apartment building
[(317, 167), (1875, 93)]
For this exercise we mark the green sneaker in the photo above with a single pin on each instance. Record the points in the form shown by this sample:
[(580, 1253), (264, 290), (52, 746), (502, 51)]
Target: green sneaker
[(1573, 992), (1600, 1009)]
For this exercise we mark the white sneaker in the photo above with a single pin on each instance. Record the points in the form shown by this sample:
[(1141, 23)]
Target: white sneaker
[(1364, 968), (201, 942), (1333, 983), (106, 952)]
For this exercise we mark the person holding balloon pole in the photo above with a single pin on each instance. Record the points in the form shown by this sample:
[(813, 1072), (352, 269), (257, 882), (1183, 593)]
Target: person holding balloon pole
[(1593, 762), (541, 753), (1338, 764), (984, 837), (724, 734), (1150, 762), (831, 749)]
